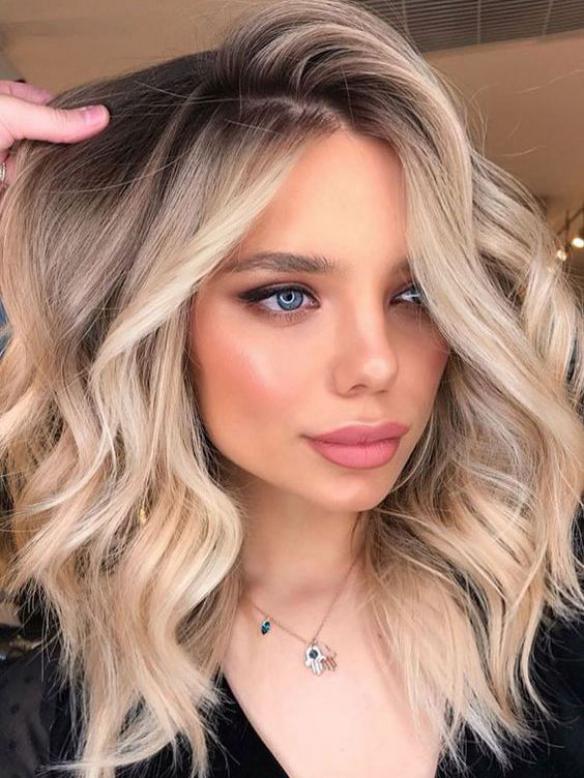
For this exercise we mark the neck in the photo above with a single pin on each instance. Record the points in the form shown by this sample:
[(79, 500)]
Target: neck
[(294, 554)]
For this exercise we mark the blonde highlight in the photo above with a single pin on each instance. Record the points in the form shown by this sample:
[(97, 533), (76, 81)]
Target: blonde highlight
[(119, 510)]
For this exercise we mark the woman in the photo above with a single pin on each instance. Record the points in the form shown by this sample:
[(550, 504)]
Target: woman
[(271, 242)]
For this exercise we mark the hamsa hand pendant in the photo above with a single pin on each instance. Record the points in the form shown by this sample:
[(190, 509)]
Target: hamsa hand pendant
[(319, 659)]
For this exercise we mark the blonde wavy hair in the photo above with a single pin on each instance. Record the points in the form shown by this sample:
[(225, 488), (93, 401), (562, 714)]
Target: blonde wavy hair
[(104, 242)]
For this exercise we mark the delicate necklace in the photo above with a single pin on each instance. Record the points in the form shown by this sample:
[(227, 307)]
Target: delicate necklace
[(318, 657)]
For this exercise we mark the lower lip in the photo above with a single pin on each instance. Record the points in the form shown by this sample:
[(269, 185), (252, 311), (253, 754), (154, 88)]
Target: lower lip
[(360, 456)]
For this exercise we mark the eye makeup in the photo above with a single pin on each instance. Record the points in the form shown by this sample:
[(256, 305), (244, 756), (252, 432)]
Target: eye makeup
[(254, 297)]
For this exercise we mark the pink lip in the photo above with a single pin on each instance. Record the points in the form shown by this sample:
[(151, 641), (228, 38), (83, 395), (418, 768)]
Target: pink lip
[(369, 455), (362, 434)]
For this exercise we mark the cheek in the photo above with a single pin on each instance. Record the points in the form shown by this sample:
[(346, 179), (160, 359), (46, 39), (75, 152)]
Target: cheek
[(242, 381), (422, 370)]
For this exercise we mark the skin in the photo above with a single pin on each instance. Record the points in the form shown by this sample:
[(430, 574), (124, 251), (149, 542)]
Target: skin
[(358, 352)]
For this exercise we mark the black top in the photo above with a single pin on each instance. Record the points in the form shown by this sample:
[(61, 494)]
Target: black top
[(35, 725)]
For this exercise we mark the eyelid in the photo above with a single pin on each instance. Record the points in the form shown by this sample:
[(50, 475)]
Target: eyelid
[(261, 292)]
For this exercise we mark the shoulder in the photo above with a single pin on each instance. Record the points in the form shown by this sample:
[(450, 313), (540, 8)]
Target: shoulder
[(558, 674), (26, 706)]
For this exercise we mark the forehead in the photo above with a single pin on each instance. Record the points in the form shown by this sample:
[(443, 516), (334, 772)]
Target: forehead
[(342, 204)]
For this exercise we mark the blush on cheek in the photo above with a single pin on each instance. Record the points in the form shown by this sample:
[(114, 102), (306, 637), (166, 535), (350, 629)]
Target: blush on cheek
[(432, 355), (251, 380)]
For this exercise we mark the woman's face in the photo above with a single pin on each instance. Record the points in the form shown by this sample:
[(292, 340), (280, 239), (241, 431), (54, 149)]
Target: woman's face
[(322, 349)]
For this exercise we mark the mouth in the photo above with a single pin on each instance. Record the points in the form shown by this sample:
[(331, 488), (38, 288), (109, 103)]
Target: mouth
[(358, 455), (360, 434)]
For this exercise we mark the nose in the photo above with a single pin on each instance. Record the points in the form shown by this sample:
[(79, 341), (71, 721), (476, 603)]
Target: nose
[(366, 353)]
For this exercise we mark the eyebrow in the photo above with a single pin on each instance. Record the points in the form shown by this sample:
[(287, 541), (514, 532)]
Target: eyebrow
[(287, 262)]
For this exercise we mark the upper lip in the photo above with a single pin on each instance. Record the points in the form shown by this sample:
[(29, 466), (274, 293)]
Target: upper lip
[(360, 434)]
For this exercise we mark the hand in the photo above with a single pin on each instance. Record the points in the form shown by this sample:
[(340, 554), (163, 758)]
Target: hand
[(23, 114)]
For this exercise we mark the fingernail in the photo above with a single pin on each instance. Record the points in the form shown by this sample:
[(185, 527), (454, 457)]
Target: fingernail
[(92, 114), (45, 94)]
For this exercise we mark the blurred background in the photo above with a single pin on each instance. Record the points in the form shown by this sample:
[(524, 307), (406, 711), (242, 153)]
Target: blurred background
[(517, 64)]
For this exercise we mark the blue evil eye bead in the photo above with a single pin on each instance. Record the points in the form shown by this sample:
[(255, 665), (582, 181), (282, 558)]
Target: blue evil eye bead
[(265, 626)]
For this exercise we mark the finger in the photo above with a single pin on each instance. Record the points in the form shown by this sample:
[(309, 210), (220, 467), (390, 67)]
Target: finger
[(25, 91), (20, 119)]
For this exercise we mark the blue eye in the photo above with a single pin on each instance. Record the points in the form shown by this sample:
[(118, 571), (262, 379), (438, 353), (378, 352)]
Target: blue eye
[(417, 294), (290, 297)]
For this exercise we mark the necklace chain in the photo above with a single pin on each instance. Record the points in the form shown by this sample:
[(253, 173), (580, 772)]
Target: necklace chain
[(312, 648)]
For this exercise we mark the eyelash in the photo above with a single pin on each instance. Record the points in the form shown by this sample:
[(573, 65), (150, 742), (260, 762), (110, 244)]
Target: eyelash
[(254, 296)]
